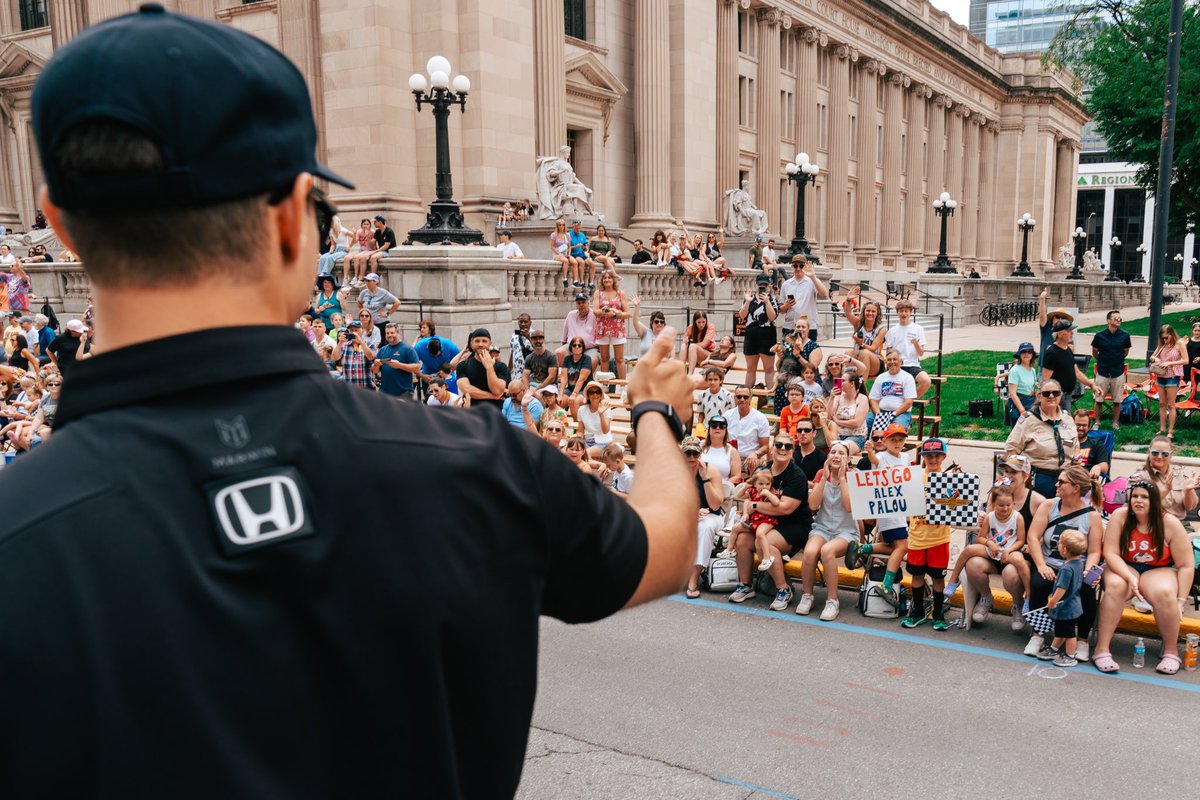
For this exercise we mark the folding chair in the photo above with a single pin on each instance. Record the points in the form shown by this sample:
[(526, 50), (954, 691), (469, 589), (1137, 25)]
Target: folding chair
[(1189, 404)]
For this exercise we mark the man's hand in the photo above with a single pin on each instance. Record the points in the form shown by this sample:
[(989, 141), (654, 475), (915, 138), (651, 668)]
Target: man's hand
[(485, 357), (1045, 293), (658, 377)]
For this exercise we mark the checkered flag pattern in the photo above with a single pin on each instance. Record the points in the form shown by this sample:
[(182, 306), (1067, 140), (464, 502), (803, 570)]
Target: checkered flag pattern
[(882, 420), (1039, 620), (952, 498)]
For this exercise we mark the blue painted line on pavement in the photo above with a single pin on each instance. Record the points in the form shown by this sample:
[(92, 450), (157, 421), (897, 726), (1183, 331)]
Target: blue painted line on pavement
[(942, 644), (752, 787)]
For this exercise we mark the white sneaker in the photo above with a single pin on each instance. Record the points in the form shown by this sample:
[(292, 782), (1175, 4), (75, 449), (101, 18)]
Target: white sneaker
[(1142, 606), (1083, 651), (1018, 623), (832, 607), (1034, 646), (766, 563), (783, 599), (804, 607), (982, 608)]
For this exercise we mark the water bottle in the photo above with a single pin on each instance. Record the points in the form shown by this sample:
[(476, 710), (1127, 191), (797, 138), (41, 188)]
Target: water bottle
[(1192, 653), (1139, 653)]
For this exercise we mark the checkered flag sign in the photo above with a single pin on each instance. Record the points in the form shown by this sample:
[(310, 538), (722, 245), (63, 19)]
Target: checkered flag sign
[(952, 498), (881, 422), (1039, 620)]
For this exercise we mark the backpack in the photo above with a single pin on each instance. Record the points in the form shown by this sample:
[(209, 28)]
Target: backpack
[(1132, 411), (870, 594), (48, 311), (720, 575)]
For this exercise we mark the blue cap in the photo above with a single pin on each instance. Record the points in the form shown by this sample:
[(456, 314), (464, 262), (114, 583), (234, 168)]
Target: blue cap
[(230, 114)]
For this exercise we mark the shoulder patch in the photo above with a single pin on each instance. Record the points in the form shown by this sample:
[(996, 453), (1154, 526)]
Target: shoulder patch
[(260, 509)]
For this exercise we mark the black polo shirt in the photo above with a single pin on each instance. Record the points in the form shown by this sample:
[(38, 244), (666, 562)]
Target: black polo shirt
[(202, 609)]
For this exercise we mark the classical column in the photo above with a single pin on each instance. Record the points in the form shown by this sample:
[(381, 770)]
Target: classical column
[(914, 174), (837, 207), (652, 111), (935, 169), (300, 41), (806, 89), (865, 241), (1064, 192), (987, 191), (893, 142), (970, 204), (549, 75), (770, 20), (727, 95), (67, 19), (954, 176)]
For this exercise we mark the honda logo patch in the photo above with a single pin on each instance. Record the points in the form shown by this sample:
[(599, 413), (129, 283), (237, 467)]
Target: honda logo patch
[(259, 510)]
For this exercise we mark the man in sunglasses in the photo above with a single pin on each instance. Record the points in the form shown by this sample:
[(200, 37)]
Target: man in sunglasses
[(1058, 364), (218, 626), (748, 427)]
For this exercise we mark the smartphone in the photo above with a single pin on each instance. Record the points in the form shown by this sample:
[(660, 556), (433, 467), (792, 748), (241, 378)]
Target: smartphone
[(837, 383)]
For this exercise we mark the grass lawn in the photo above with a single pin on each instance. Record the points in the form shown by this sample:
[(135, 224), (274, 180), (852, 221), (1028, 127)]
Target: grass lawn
[(973, 374), (1181, 321)]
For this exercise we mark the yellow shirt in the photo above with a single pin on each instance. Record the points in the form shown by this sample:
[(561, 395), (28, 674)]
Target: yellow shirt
[(922, 535)]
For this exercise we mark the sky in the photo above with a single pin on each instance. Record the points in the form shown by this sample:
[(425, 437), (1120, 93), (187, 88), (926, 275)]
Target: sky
[(959, 10)]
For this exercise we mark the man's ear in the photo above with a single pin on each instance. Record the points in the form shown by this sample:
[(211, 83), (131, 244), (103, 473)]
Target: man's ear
[(293, 223), (54, 217)]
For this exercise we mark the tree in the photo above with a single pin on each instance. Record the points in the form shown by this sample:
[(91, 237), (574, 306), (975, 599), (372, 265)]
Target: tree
[(1117, 50)]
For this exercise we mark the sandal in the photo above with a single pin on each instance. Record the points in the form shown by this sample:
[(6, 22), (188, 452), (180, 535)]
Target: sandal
[(1169, 664), (766, 563), (1104, 662), (693, 594)]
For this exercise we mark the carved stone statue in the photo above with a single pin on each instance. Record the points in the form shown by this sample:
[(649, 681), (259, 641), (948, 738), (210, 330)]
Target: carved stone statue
[(1091, 261), (559, 191), (1066, 256), (741, 215)]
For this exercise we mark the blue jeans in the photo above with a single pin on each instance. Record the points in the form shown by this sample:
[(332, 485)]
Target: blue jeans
[(904, 419), (327, 260)]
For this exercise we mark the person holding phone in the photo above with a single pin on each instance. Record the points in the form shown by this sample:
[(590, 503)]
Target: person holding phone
[(759, 312), (800, 293)]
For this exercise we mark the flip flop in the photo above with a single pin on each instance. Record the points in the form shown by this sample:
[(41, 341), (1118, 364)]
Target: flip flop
[(693, 594), (1169, 665), (1104, 662)]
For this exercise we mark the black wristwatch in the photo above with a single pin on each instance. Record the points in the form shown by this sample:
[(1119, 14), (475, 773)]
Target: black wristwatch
[(656, 407)]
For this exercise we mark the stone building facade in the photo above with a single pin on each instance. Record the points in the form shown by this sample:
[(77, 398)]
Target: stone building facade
[(667, 104)]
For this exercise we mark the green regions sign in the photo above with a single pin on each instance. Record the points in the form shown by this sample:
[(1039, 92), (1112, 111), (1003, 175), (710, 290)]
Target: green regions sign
[(1107, 180)]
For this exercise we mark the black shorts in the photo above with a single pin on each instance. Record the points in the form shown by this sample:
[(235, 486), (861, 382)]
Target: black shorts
[(796, 536), (914, 371), (759, 341), (921, 569), (1066, 628)]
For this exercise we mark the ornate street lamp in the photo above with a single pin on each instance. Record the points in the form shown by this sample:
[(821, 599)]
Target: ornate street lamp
[(1142, 249), (1114, 244), (1026, 224), (944, 207), (1077, 268), (444, 223), (801, 172), (1179, 261)]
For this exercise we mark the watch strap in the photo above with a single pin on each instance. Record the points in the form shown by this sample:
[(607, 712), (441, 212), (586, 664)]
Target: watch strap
[(657, 407)]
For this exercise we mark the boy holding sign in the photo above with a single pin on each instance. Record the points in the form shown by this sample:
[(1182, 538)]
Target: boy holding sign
[(893, 530), (928, 550)]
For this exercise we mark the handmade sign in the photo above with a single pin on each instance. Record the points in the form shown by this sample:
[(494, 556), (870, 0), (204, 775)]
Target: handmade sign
[(887, 492), (952, 498)]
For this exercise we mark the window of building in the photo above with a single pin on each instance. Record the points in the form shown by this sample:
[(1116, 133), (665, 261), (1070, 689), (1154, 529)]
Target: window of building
[(853, 84), (878, 144), (823, 67), (880, 90), (746, 102), (575, 14), (787, 113), (787, 53), (854, 136), (33, 14), (822, 126), (1129, 225), (743, 176), (904, 152), (748, 35), (573, 143), (1089, 215)]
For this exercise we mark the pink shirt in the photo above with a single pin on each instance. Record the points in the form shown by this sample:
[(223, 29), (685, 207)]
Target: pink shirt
[(583, 328)]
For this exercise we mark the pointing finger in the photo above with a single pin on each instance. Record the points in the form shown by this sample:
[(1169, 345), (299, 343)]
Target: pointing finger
[(661, 349)]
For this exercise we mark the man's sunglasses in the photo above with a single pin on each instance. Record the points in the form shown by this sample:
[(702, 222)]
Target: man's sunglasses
[(742, 396), (325, 210)]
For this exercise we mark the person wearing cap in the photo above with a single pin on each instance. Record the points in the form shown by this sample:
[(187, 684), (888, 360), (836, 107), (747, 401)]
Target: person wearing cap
[(379, 301), (481, 376), (550, 407), (1058, 364), (579, 241), (800, 293), (893, 531), (758, 312), (711, 492), (69, 346), (894, 392), (213, 609), (719, 452), (1110, 348), (385, 240), (928, 553), (1047, 435), (1022, 381), (507, 247), (581, 322), (540, 367), (519, 345), (756, 255), (1046, 322), (396, 364)]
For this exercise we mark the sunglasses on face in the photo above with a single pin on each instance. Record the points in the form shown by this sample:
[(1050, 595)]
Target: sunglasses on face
[(52, 385), (804, 430), (1161, 453), (720, 425), (783, 446), (1061, 482), (576, 345), (876, 438), (742, 396), (325, 211), (1051, 393)]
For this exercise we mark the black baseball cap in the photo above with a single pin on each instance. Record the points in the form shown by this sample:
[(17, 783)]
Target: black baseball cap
[(230, 114)]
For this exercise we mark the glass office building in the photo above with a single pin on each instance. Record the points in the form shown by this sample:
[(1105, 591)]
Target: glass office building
[(1015, 26)]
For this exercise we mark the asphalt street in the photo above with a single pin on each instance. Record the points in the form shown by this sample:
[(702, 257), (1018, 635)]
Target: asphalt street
[(704, 699)]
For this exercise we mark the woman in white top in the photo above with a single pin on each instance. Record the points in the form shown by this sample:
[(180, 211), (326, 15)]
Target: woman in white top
[(595, 418), (848, 411), (340, 238), (719, 453)]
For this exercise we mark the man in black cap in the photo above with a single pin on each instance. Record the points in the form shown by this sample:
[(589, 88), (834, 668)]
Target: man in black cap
[(481, 376), (201, 620), (1058, 363)]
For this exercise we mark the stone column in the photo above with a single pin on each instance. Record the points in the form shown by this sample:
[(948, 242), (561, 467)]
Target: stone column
[(1064, 193), (987, 193), (770, 128), (549, 77), (806, 90), (971, 219), (865, 241), (837, 207), (652, 112), (727, 99), (954, 178), (914, 175), (893, 141), (67, 19), (936, 169), (300, 41)]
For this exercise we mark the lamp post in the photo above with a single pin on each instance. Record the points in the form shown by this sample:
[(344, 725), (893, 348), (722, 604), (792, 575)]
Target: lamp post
[(801, 172), (1077, 268), (1141, 251), (944, 207), (1179, 262), (444, 222), (1026, 224), (1193, 264), (1114, 244)]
